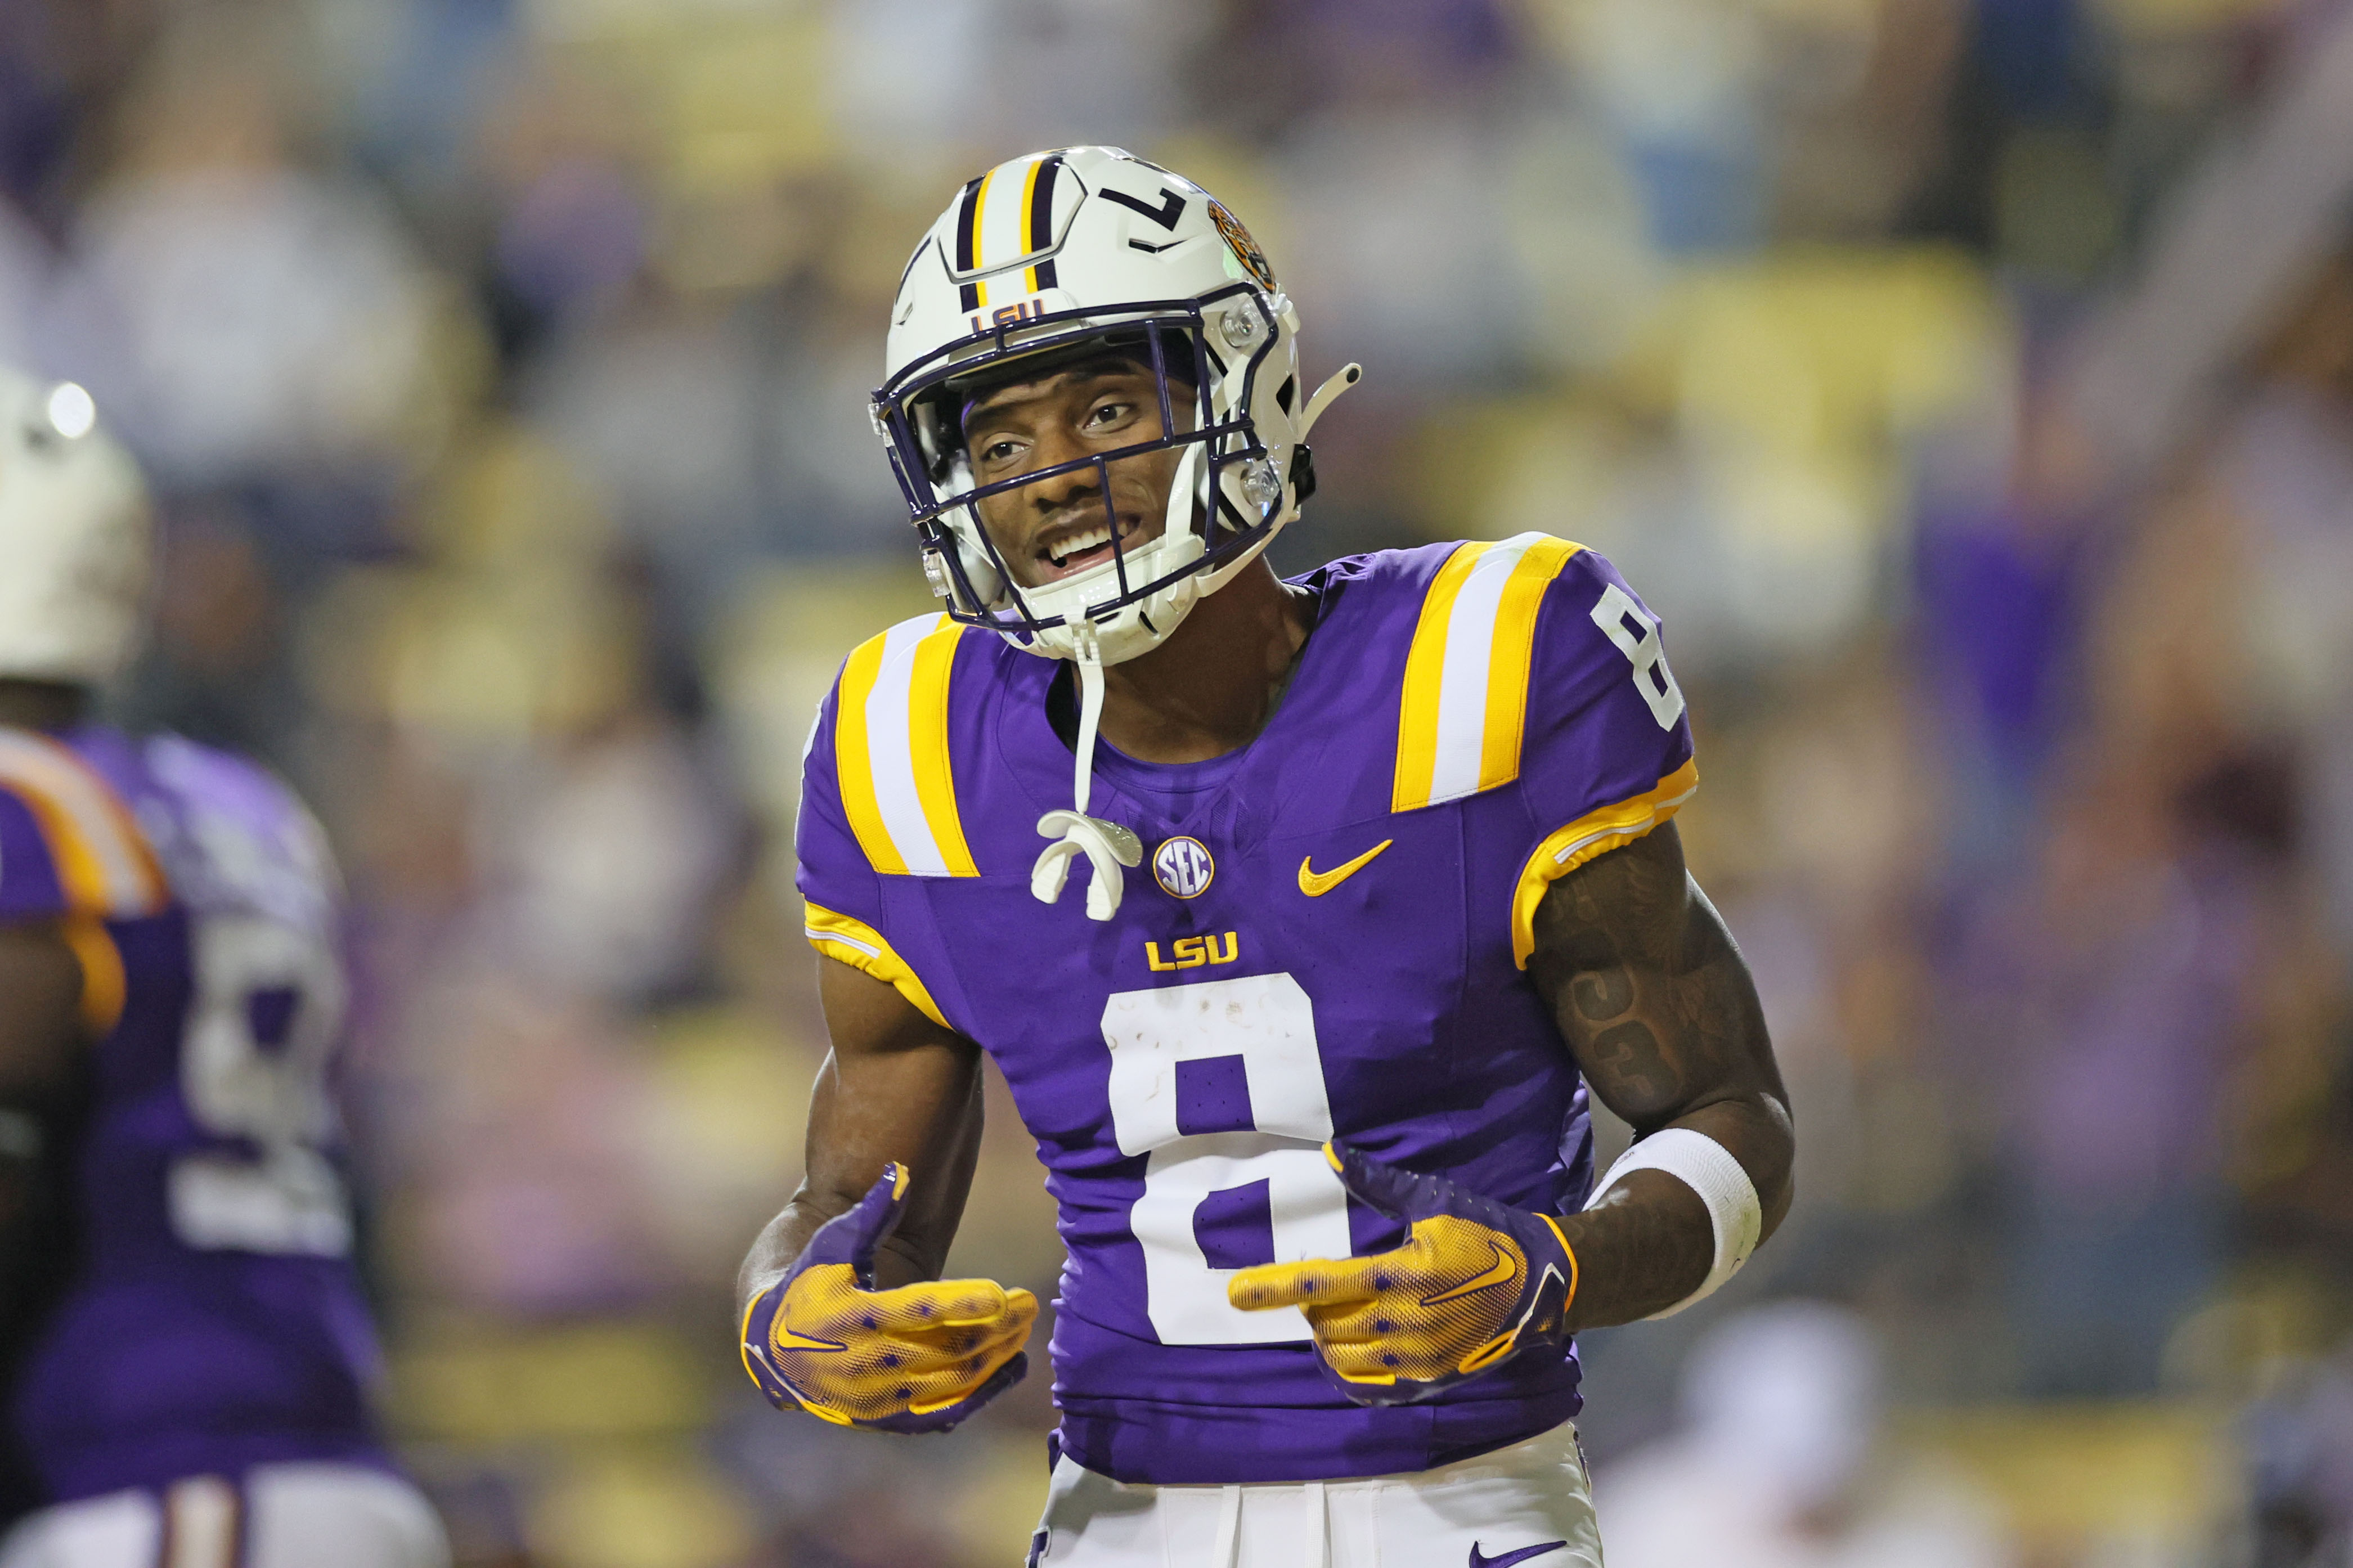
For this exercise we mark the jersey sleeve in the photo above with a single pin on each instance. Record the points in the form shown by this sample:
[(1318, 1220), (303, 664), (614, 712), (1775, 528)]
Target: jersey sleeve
[(1606, 754), (846, 917), (31, 887)]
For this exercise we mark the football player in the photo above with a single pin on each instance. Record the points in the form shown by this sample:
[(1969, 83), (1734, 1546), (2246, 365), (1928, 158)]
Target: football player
[(189, 1348), (1378, 879)]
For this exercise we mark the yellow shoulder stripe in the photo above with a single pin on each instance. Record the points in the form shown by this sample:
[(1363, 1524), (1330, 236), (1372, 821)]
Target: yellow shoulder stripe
[(891, 750), (862, 947), (103, 862), (1593, 834), (1464, 706)]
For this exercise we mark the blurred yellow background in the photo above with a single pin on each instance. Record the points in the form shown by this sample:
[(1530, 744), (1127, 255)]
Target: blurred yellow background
[(1968, 382)]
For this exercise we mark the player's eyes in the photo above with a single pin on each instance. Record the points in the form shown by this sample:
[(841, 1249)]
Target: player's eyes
[(1110, 413), (998, 451)]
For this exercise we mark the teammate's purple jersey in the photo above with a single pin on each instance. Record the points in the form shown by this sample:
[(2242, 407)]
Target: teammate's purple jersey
[(1326, 940), (214, 1319)]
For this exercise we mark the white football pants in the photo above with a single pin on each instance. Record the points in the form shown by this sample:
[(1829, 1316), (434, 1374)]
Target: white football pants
[(285, 1516), (1527, 1503)]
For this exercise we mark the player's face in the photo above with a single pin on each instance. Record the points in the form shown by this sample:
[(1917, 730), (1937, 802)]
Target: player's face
[(1058, 526)]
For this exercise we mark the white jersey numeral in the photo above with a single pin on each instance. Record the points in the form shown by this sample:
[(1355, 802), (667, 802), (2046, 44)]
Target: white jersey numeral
[(257, 977), (1265, 1025), (1643, 650)]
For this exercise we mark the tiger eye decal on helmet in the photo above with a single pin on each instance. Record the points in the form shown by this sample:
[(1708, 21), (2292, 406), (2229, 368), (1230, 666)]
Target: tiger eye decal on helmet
[(1244, 248)]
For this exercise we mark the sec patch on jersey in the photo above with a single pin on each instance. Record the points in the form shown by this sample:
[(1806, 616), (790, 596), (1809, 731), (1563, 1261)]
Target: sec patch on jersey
[(1183, 866)]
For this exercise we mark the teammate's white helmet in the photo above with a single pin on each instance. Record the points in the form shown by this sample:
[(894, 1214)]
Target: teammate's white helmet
[(75, 537), (1063, 254)]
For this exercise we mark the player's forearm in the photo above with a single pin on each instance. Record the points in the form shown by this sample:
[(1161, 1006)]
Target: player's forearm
[(893, 1091), (918, 1251), (1655, 1000), (1648, 1242), (773, 1251)]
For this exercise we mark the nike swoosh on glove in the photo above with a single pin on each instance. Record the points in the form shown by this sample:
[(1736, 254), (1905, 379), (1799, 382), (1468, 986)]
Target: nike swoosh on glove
[(920, 1358), (1475, 1284)]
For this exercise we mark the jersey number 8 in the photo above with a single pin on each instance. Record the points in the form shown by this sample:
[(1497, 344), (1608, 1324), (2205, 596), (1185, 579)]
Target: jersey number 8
[(1613, 613), (1252, 1109)]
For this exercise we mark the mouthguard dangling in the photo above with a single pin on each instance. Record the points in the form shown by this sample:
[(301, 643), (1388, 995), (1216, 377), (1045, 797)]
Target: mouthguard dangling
[(1107, 844)]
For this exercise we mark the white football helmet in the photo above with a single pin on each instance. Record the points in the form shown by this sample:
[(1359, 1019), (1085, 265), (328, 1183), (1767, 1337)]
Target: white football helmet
[(75, 537), (1066, 252)]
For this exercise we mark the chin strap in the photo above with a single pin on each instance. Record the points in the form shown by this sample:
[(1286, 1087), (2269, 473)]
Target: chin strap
[(1108, 845)]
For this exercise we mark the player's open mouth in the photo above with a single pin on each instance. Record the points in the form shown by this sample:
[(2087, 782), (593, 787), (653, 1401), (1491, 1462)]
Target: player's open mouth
[(1075, 551)]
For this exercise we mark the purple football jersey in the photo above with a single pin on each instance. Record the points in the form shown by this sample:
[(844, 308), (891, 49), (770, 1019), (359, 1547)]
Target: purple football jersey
[(214, 1319), (1326, 939)]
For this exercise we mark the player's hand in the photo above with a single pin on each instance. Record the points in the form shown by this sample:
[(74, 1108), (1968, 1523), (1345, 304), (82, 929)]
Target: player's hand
[(917, 1359), (1475, 1284)]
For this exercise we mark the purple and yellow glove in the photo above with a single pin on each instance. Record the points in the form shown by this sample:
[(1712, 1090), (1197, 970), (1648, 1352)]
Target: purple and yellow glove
[(917, 1359), (1475, 1284)]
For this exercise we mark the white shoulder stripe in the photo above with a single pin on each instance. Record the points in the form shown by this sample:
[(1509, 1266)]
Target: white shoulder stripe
[(1462, 691), (1465, 703)]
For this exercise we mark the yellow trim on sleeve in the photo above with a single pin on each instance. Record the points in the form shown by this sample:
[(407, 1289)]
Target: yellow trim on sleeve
[(853, 758), (861, 946), (1511, 654), (1595, 833), (1425, 672), (927, 745), (104, 986)]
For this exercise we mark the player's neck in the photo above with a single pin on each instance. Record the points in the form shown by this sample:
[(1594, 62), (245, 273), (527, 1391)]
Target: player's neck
[(1214, 684), (41, 704)]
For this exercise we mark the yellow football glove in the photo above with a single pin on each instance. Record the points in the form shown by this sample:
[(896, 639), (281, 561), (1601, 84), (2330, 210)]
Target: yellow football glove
[(917, 1359), (1475, 1284)]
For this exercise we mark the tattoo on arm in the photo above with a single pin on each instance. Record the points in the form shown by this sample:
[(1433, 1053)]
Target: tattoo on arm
[(1659, 1012)]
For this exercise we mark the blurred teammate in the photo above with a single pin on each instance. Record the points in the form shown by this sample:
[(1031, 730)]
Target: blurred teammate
[(1380, 875), (186, 1343)]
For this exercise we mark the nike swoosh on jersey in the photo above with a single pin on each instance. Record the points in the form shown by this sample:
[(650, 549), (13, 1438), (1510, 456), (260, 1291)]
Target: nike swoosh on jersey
[(1315, 884), (1508, 1558), (1502, 1271)]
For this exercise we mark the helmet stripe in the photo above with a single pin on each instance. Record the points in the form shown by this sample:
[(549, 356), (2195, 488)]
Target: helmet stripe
[(980, 219), (1041, 202), (967, 222), (1028, 237)]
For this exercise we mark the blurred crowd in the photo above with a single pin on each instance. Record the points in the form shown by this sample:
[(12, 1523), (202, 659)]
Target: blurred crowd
[(501, 366)]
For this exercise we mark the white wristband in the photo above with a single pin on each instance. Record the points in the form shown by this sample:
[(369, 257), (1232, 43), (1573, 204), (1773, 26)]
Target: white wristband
[(1708, 1168)]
